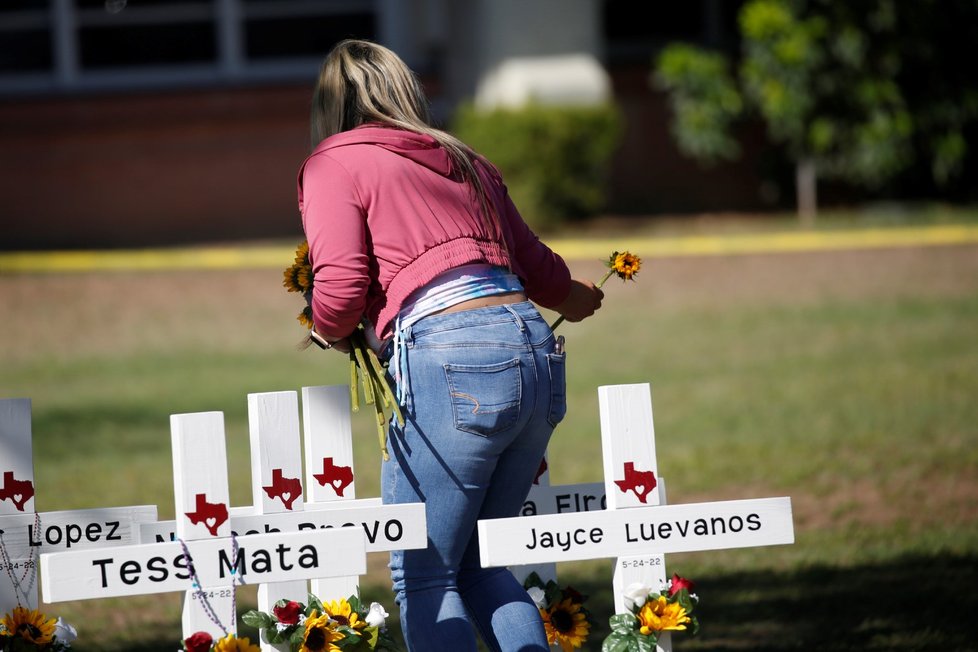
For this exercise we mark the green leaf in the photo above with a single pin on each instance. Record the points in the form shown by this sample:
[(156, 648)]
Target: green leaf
[(533, 579), (617, 642), (623, 622), (297, 637), (646, 643), (682, 597), (314, 603), (258, 619), (371, 635), (355, 603), (275, 636)]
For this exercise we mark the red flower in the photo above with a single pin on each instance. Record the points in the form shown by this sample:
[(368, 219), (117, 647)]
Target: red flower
[(679, 583), (199, 642), (575, 596), (288, 614)]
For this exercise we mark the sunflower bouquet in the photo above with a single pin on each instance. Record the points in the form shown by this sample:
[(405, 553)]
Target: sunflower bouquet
[(366, 371), (204, 642), (622, 263), (650, 614), (29, 630), (565, 619), (317, 626)]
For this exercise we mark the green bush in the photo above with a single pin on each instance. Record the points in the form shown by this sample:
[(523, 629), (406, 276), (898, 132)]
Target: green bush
[(555, 160)]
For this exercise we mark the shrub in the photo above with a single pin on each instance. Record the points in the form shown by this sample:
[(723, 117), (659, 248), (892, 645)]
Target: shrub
[(555, 160)]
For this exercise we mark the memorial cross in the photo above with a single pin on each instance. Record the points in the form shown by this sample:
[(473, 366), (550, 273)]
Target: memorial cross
[(634, 528), (207, 560), (24, 533), (276, 480), (330, 481), (328, 436)]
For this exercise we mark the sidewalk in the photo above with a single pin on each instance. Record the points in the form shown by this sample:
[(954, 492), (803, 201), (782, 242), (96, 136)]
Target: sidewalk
[(279, 256)]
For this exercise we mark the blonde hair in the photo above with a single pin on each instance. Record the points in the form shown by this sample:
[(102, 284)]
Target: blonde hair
[(360, 82)]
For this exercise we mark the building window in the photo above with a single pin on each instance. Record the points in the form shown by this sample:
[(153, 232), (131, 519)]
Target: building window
[(78, 45), (277, 37)]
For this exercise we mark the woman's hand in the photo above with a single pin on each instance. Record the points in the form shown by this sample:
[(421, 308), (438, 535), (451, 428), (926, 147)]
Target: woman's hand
[(584, 299)]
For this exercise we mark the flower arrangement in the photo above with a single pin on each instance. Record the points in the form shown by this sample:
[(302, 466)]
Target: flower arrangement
[(650, 614), (319, 626), (204, 642), (565, 619), (366, 371), (29, 630), (622, 263)]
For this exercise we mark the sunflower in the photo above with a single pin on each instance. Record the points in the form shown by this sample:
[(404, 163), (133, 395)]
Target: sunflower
[(625, 264), (29, 624), (622, 263), (319, 635), (231, 643), (659, 615), (344, 614), (298, 276), (566, 625), (305, 317)]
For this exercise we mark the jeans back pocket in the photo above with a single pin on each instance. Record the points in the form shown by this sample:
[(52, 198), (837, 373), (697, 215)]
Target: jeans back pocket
[(485, 398), (557, 362)]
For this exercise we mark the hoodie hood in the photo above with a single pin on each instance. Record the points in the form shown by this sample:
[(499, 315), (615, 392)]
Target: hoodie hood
[(420, 148)]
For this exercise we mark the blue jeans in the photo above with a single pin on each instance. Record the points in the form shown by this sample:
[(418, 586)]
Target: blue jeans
[(484, 394)]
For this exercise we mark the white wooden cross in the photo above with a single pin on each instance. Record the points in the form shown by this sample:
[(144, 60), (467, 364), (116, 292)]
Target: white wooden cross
[(636, 528), (24, 533), (207, 554), (330, 487), (276, 479)]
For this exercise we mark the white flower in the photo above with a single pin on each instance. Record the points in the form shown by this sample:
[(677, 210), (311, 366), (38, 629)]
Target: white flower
[(538, 596), (64, 632), (376, 616), (635, 595)]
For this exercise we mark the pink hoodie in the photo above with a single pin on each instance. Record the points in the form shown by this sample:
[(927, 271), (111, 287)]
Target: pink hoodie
[(384, 214)]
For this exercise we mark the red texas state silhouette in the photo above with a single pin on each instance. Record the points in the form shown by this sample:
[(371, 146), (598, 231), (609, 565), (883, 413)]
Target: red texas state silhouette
[(285, 489), (641, 483), (212, 515), (338, 477), (16, 491)]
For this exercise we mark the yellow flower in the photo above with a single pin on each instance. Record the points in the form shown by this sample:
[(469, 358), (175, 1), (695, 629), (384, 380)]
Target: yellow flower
[(660, 615), (343, 613), (566, 625), (622, 263), (625, 264), (302, 253), (298, 276), (305, 317), (319, 634), (231, 643), (31, 625)]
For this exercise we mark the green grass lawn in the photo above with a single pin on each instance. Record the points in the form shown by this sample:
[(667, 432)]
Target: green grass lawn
[(845, 380)]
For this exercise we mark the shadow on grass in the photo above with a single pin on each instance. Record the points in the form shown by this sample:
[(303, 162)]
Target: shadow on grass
[(913, 603)]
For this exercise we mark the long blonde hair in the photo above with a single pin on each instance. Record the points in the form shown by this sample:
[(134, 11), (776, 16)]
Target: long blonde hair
[(361, 81)]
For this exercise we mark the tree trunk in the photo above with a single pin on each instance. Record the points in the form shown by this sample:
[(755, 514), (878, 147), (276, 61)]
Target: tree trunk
[(806, 180)]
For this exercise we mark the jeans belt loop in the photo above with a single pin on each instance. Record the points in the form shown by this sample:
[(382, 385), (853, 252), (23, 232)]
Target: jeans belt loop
[(516, 316)]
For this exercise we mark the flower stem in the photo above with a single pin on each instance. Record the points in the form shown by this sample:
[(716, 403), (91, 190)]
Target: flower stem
[(365, 367)]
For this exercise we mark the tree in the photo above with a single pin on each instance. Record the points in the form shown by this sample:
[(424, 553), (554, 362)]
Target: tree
[(827, 78)]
